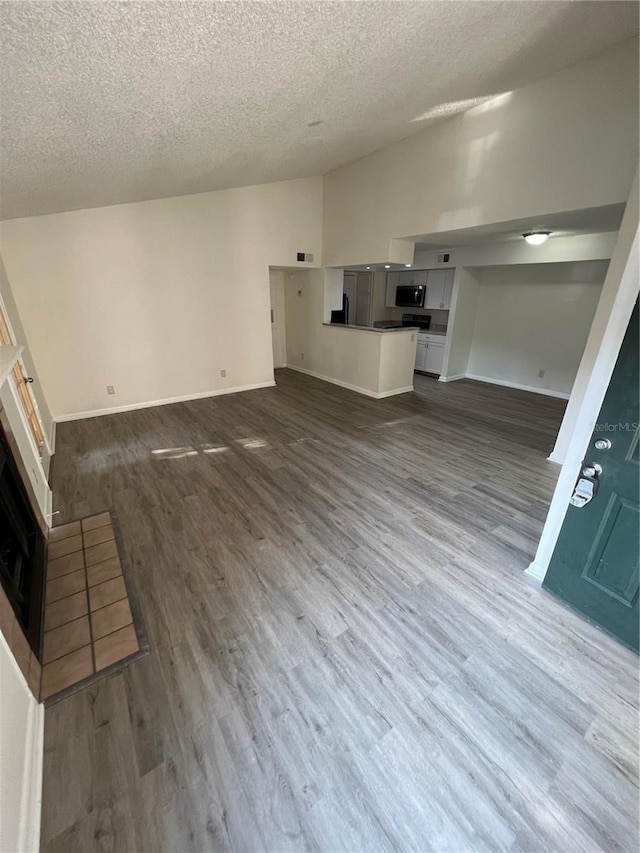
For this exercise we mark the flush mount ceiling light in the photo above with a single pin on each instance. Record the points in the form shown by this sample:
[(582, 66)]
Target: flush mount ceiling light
[(387, 266), (537, 238), (368, 268), (408, 265)]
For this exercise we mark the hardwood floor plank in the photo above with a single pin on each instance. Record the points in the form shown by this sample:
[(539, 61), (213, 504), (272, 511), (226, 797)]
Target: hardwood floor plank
[(346, 654)]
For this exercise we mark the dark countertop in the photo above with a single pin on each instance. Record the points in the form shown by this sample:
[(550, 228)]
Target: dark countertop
[(372, 328)]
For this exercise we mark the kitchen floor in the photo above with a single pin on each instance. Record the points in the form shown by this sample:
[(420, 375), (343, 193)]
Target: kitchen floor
[(345, 653)]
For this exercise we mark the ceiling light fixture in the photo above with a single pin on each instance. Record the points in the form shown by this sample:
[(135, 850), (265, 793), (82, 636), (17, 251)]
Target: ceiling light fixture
[(408, 265), (387, 266), (368, 268), (537, 238)]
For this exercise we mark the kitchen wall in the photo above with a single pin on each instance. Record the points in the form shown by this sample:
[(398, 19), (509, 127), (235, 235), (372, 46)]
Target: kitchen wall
[(438, 318), (368, 362), (531, 317), (567, 142), (380, 310), (156, 298), (319, 349)]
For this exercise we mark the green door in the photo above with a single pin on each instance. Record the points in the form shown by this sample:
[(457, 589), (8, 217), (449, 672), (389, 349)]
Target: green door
[(594, 567)]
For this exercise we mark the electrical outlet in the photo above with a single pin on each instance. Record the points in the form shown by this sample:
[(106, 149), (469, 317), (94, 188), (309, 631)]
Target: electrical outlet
[(223, 373), (540, 374), (111, 389)]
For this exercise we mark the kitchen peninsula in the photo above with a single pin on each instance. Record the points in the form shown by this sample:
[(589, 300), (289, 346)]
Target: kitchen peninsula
[(375, 362)]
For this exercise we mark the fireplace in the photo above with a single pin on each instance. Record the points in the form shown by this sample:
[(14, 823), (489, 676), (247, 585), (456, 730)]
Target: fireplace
[(22, 550)]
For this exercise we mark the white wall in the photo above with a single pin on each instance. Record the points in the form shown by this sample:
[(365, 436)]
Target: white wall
[(466, 290), (531, 318), (379, 308), (567, 142), (320, 349), (21, 750), (619, 294), (157, 298), (355, 358)]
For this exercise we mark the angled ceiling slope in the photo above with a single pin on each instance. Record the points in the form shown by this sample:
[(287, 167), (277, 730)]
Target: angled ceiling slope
[(106, 102), (570, 223)]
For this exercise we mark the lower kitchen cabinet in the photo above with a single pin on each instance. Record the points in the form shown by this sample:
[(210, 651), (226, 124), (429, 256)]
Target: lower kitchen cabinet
[(435, 357), (429, 355)]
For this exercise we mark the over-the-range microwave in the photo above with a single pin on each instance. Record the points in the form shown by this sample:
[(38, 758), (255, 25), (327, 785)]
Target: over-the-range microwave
[(410, 296)]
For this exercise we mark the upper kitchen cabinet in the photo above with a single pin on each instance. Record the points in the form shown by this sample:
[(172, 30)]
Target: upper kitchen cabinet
[(439, 289), (413, 278), (439, 286)]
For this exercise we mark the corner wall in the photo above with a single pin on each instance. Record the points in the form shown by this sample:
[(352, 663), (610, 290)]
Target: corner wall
[(156, 298), (533, 318)]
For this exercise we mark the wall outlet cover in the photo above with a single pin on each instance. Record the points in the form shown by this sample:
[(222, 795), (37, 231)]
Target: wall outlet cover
[(223, 373), (111, 389)]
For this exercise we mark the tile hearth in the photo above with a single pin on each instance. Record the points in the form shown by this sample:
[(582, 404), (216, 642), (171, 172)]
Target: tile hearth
[(88, 620)]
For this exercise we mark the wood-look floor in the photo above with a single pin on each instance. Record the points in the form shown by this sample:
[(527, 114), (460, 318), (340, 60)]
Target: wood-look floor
[(347, 655)]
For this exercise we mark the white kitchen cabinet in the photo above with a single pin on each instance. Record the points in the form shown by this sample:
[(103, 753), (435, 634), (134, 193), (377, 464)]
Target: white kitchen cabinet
[(434, 358), (413, 278), (439, 284), (421, 355), (393, 280), (439, 289), (429, 354)]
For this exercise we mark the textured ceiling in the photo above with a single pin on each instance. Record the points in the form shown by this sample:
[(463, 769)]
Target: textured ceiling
[(108, 102)]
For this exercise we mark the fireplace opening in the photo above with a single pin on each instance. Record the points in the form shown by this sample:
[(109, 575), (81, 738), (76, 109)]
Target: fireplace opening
[(22, 550)]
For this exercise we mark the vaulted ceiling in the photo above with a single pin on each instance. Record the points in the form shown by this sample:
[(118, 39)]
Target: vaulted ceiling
[(110, 102)]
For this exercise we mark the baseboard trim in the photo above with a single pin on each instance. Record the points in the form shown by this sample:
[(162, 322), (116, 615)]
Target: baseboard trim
[(358, 390), (553, 457), (453, 378), (383, 394), (184, 398), (31, 799), (535, 572), (532, 389)]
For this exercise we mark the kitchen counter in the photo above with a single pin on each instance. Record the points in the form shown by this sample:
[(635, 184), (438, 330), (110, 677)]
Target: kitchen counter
[(373, 328)]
